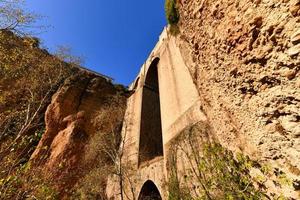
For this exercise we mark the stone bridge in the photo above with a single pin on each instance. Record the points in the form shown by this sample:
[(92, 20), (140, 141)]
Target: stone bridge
[(164, 102)]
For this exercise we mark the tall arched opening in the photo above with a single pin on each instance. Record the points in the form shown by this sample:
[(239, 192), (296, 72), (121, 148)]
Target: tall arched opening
[(149, 191), (150, 145)]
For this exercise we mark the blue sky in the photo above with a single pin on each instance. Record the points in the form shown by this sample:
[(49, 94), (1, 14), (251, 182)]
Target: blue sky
[(114, 36)]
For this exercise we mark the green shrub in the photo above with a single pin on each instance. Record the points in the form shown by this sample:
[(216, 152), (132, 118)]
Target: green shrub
[(211, 171), (172, 13)]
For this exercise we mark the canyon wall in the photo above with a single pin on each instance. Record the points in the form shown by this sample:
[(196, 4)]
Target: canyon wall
[(57, 122), (83, 114), (245, 62)]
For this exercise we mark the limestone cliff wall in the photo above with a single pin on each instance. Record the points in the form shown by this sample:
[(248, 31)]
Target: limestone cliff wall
[(244, 59)]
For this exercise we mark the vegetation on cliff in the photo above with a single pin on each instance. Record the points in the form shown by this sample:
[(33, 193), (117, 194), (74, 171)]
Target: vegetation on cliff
[(35, 147), (213, 172), (60, 125), (172, 15), (29, 137), (29, 77), (15, 18)]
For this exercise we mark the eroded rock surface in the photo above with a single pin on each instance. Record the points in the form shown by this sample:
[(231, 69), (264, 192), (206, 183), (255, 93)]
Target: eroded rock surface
[(245, 63), (85, 106)]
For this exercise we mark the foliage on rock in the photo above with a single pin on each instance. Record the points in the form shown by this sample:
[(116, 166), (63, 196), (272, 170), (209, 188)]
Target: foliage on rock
[(29, 76), (83, 110), (25, 183), (172, 13), (101, 144), (212, 171), (14, 17)]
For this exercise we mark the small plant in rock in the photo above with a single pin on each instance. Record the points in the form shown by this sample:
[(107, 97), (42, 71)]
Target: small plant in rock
[(172, 13), (172, 16)]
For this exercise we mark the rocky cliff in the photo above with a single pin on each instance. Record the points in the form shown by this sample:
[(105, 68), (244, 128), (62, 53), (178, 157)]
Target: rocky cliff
[(85, 109), (59, 123), (55, 120), (245, 62)]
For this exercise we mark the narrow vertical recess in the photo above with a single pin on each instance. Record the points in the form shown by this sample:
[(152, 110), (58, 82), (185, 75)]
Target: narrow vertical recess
[(151, 132)]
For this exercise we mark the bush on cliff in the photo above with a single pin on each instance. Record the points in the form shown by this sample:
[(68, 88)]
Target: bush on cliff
[(172, 13), (29, 76)]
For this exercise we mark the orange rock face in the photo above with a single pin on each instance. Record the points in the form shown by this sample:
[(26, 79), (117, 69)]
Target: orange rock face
[(85, 106)]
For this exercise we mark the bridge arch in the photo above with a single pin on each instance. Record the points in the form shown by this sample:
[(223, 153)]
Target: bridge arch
[(136, 83), (149, 191), (150, 144)]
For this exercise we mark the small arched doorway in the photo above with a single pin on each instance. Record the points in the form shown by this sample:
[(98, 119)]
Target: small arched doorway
[(151, 144), (149, 191)]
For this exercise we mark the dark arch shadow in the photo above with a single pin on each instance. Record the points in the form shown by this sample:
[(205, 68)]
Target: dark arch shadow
[(150, 145), (149, 191)]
